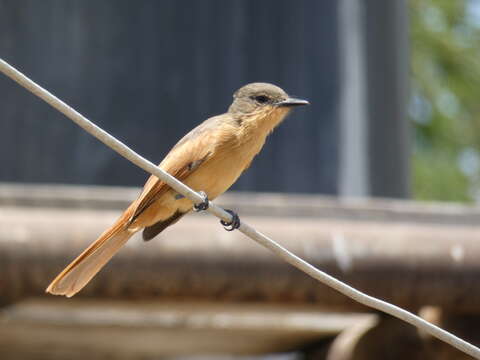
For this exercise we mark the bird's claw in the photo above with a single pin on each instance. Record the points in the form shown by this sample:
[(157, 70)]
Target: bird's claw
[(232, 225), (202, 205)]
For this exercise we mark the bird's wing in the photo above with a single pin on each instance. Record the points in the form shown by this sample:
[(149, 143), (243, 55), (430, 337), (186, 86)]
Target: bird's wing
[(186, 156)]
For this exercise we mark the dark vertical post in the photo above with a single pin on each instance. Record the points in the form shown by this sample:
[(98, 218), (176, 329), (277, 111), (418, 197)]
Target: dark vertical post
[(387, 70), (374, 128)]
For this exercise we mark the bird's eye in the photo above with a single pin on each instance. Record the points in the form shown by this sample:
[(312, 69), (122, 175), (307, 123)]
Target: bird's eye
[(262, 99)]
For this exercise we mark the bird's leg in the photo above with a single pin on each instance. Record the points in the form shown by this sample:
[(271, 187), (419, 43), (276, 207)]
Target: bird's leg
[(202, 205), (232, 225)]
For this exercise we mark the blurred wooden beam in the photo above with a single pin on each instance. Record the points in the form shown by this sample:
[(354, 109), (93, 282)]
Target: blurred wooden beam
[(79, 329), (406, 253)]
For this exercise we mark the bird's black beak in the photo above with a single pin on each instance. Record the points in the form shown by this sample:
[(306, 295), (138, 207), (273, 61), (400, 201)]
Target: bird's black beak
[(290, 102)]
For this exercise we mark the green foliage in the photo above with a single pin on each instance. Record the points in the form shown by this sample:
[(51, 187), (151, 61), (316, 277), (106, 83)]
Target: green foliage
[(434, 178), (445, 106)]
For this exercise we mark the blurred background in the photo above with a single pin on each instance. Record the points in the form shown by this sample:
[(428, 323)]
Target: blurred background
[(394, 114), (394, 106)]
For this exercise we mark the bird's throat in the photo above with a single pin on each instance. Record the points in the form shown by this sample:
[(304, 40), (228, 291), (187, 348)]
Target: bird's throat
[(262, 122)]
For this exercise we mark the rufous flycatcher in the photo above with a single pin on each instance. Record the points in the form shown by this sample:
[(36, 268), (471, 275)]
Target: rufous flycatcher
[(210, 158)]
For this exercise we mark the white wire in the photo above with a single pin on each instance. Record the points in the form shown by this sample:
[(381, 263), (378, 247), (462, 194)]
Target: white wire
[(279, 250)]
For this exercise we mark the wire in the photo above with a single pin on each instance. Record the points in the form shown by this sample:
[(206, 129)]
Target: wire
[(246, 229)]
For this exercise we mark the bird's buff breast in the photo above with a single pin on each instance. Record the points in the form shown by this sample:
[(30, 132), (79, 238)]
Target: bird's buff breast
[(232, 157), (223, 168), (214, 177)]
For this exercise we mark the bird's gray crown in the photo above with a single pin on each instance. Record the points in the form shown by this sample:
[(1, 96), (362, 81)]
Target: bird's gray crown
[(254, 95)]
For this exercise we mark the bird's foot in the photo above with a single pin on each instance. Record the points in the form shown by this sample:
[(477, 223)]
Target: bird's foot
[(232, 225), (202, 205)]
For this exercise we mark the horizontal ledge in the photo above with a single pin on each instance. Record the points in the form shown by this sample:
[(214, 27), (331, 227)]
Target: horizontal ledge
[(248, 203), (165, 329)]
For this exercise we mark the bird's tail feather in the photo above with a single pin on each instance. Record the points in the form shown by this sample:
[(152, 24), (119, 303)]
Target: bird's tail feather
[(81, 270)]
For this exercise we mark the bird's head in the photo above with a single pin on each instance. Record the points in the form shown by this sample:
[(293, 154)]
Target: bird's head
[(257, 99)]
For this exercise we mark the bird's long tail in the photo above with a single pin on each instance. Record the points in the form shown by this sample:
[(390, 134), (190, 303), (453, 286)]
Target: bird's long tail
[(81, 270)]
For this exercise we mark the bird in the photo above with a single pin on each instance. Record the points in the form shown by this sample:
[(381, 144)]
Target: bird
[(208, 159)]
